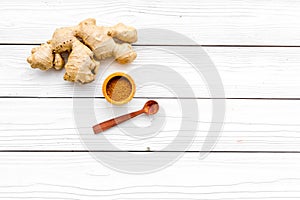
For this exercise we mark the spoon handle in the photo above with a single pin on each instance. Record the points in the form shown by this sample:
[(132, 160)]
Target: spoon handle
[(115, 121)]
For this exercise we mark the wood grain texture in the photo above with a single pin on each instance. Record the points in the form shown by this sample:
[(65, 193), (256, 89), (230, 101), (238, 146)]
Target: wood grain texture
[(219, 176), (246, 73), (48, 124), (38, 135), (215, 22)]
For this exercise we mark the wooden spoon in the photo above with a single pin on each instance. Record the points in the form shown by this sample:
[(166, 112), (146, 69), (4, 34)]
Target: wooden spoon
[(151, 107)]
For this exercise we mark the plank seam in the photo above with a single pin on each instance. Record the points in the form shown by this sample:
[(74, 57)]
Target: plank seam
[(137, 151), (204, 98), (178, 45)]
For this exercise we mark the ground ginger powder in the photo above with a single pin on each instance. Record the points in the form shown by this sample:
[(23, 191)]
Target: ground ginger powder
[(118, 88)]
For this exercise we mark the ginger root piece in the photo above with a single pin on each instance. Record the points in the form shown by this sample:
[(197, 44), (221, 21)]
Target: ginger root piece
[(42, 57), (86, 43), (103, 45), (81, 67)]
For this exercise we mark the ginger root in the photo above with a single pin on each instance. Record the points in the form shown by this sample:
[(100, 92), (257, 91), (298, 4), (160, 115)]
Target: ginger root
[(86, 44)]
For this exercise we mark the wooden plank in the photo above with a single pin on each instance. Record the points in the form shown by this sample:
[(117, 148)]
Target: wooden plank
[(245, 72), (215, 22), (219, 176), (48, 124)]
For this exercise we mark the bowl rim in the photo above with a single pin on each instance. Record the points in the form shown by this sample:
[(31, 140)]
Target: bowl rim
[(111, 76)]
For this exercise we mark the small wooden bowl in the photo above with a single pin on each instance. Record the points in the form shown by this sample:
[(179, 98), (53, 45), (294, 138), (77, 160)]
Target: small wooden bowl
[(116, 88)]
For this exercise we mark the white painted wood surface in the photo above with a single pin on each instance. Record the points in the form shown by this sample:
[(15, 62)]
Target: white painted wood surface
[(38, 133), (214, 22), (250, 125), (220, 176), (246, 72)]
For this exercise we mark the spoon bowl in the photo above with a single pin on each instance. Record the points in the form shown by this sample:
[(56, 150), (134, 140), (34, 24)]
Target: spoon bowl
[(151, 107)]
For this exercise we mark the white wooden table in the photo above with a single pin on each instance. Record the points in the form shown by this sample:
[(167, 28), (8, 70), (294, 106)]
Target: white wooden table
[(255, 46)]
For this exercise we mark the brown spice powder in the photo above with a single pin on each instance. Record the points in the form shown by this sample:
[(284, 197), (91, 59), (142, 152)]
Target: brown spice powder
[(118, 88)]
